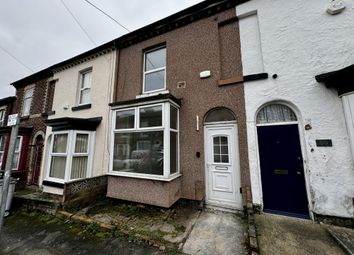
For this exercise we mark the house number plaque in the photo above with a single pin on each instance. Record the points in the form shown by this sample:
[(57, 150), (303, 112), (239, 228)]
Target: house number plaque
[(324, 143)]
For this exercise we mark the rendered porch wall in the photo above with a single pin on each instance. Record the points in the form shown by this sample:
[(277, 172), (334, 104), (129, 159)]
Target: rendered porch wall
[(159, 193)]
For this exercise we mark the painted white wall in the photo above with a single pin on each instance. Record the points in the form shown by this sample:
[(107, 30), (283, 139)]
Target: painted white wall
[(299, 40), (66, 93)]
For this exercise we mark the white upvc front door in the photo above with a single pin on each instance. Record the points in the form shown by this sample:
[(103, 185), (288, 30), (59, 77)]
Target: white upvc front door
[(222, 166)]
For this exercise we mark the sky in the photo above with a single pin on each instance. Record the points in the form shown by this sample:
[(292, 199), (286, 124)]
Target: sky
[(40, 33)]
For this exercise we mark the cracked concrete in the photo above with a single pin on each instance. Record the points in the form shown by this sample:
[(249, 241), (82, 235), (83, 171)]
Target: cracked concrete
[(217, 232)]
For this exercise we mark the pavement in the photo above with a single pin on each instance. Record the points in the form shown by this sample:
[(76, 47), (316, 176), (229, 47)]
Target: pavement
[(285, 235), (29, 235), (217, 232)]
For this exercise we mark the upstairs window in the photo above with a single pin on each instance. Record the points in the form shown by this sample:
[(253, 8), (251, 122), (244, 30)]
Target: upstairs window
[(85, 87), (2, 117), (27, 101), (155, 70)]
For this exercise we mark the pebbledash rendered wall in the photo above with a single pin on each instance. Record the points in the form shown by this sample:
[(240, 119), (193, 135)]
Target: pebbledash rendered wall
[(65, 98), (298, 40), (207, 44)]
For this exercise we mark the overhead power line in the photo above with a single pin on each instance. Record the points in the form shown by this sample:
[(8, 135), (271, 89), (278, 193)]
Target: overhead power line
[(106, 14), (15, 58), (78, 22)]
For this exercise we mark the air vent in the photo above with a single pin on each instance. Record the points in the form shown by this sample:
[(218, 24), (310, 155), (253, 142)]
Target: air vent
[(181, 84)]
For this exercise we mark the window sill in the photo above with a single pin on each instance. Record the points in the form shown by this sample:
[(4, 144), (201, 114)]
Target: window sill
[(146, 177), (147, 94), (53, 184), (81, 107)]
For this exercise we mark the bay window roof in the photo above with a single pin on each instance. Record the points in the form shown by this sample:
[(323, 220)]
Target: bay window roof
[(89, 124), (342, 80)]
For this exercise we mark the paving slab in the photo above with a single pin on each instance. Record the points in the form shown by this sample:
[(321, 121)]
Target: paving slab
[(217, 232), (292, 236), (343, 236)]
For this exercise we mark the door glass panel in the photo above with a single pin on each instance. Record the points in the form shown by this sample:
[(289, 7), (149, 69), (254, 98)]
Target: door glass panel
[(221, 149)]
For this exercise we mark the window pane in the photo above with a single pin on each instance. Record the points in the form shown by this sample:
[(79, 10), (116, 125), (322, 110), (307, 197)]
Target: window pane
[(15, 160), (125, 119), (79, 167), (155, 59), (151, 116), (60, 141), (173, 117), (26, 106), (220, 149), (219, 114), (81, 143), (275, 113), (57, 167), (86, 80), (2, 113), (29, 93), (154, 81), (1, 157), (2, 143), (174, 152), (85, 96), (224, 149), (128, 157), (225, 158), (17, 144)]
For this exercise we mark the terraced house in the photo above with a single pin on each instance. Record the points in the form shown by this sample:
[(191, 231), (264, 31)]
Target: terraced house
[(178, 115)]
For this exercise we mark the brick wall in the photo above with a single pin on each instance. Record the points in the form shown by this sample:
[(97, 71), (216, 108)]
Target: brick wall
[(41, 104)]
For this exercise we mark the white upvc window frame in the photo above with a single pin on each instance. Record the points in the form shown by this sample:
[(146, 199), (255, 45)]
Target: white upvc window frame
[(27, 111), (18, 151), (2, 152), (81, 88), (228, 150), (154, 71), (2, 116), (165, 128), (70, 153)]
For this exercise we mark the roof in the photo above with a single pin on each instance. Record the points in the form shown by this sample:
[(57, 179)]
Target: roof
[(7, 100), (192, 14), (342, 79)]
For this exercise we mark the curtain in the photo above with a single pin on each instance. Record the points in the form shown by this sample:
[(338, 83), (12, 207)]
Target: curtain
[(79, 167), (275, 113), (57, 167), (60, 141), (81, 143)]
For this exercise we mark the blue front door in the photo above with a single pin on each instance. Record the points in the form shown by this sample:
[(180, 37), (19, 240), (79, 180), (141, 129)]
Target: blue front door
[(282, 170)]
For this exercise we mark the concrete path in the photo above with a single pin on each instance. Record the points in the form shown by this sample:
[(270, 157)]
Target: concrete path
[(217, 232), (285, 235)]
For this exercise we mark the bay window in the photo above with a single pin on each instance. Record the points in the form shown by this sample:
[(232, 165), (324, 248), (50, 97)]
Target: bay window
[(145, 141), (70, 155)]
